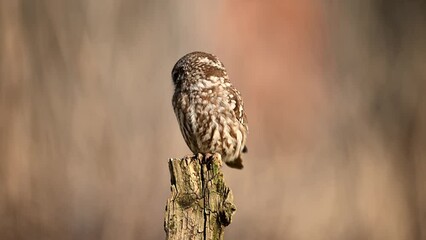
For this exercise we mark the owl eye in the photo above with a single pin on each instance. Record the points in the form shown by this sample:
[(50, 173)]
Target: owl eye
[(175, 75)]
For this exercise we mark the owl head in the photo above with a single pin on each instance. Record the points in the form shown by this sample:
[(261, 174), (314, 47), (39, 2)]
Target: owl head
[(197, 66)]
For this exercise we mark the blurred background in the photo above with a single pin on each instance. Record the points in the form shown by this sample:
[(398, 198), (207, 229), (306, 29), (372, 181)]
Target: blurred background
[(334, 93)]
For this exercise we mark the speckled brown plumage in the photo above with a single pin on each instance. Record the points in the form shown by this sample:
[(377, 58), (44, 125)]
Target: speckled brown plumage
[(210, 111)]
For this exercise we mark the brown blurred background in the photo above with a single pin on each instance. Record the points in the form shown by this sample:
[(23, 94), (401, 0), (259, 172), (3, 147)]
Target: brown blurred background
[(334, 93)]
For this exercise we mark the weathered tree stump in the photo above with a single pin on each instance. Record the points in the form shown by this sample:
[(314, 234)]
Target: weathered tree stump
[(201, 205)]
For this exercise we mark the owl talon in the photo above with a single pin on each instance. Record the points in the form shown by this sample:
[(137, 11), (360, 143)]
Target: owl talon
[(208, 158)]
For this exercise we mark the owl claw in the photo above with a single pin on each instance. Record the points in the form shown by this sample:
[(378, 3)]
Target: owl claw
[(208, 158)]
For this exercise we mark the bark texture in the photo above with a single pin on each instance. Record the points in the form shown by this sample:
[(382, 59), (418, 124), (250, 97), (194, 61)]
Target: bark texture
[(201, 205)]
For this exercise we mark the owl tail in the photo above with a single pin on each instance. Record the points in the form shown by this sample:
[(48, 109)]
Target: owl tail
[(237, 163)]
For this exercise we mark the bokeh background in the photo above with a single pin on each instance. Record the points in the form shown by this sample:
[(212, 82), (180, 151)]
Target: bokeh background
[(334, 93)]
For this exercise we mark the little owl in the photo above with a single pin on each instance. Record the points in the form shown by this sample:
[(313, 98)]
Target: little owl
[(210, 111)]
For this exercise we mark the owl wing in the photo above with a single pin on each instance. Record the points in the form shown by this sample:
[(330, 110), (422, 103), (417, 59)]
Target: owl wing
[(236, 100)]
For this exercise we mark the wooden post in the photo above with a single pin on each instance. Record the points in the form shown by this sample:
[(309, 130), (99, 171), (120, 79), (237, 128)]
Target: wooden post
[(201, 205)]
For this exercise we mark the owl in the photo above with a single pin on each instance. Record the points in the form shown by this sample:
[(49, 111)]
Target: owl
[(209, 110)]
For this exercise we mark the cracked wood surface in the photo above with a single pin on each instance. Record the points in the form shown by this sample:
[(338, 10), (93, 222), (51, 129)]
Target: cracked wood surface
[(201, 205)]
